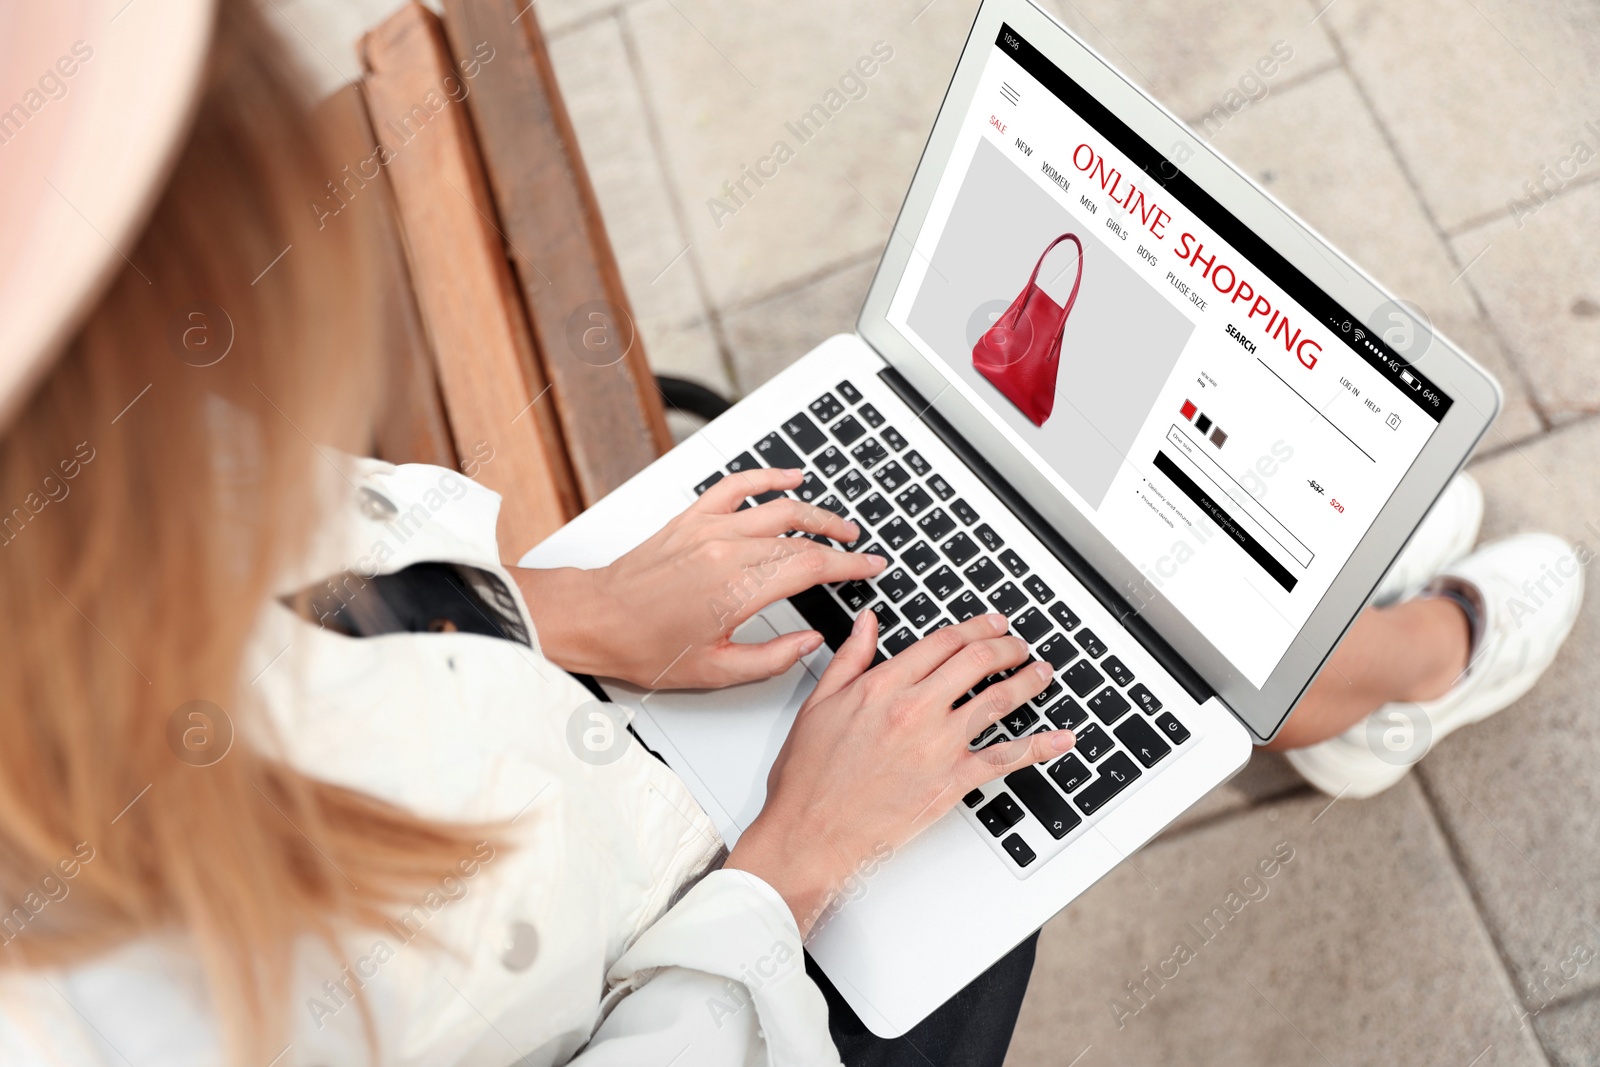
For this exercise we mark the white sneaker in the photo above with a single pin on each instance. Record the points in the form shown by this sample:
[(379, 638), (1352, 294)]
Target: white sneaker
[(1529, 589), (1447, 533)]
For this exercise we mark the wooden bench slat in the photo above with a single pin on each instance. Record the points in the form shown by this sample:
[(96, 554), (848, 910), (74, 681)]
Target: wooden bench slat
[(413, 427), (611, 414), (493, 388)]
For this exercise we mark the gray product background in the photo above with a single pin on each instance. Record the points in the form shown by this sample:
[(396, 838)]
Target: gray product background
[(1121, 339)]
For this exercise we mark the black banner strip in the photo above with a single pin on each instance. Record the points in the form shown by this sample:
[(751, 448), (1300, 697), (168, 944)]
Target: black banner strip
[(1226, 522)]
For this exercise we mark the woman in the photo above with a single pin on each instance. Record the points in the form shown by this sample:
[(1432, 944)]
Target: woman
[(279, 786)]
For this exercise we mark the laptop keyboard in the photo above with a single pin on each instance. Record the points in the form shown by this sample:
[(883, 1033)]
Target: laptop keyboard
[(946, 564)]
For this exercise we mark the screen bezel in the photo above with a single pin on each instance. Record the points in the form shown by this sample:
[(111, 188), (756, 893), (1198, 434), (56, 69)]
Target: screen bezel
[(1475, 394)]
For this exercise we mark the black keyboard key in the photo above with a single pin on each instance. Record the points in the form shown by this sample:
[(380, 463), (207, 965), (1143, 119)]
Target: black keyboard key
[(973, 799), (1064, 615), (892, 436), (823, 614), (811, 488), (940, 487), (918, 465), (936, 524), (896, 584), (1146, 700), (983, 573), (1057, 651), (1013, 563), (914, 501), (869, 453), (938, 624), (1066, 714), (826, 407), (1031, 625), (943, 583), (849, 391), (1000, 814), (896, 532), (959, 549), (879, 550), (830, 461), (1083, 678), (871, 414), (1115, 775), (874, 509), (990, 539), (899, 641), (1109, 705), (1048, 806), (919, 557), (700, 489), (744, 461), (769, 495), (803, 432), (965, 513), (1090, 642), (965, 606), (1040, 591), (887, 619), (987, 731), (847, 430), (1118, 671), (1008, 599), (1140, 738), (861, 538), (1174, 729), (852, 484), (833, 504), (1093, 742), (1051, 691), (1018, 850), (1020, 721), (1068, 772), (775, 453), (856, 595), (920, 610), (891, 476)]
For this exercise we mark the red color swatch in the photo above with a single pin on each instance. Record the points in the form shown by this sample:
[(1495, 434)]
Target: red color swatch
[(1189, 409)]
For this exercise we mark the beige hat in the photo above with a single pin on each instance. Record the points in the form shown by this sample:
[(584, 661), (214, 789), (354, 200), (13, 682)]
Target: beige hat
[(95, 99)]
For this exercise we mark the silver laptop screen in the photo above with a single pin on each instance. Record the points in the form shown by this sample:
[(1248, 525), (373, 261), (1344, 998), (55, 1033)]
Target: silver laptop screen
[(1212, 412)]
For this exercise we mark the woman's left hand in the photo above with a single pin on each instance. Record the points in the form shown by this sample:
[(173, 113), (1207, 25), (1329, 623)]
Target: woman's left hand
[(663, 615)]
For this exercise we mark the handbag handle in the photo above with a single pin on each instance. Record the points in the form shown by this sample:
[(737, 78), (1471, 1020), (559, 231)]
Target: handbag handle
[(1034, 277)]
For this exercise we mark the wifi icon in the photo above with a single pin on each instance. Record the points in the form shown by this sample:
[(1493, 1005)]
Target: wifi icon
[(1360, 333)]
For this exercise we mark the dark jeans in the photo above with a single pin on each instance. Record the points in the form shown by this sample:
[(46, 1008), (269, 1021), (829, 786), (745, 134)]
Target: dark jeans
[(971, 1029)]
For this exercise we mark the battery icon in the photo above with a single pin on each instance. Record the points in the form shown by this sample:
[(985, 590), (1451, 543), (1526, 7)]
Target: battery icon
[(1410, 379)]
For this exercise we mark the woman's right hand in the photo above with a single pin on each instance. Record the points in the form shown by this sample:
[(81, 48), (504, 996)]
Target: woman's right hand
[(875, 756)]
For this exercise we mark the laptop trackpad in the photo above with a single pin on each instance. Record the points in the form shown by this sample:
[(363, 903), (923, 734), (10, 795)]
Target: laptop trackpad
[(730, 737)]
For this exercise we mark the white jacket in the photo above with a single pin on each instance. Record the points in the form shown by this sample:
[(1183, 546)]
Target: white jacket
[(568, 948)]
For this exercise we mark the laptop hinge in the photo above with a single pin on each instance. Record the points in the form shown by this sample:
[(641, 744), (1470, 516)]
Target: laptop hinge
[(1047, 534)]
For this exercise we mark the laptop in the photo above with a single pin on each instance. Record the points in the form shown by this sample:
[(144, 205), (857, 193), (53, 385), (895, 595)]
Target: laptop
[(1181, 492)]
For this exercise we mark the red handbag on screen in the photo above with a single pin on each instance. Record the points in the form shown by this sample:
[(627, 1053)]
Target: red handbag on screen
[(1019, 353)]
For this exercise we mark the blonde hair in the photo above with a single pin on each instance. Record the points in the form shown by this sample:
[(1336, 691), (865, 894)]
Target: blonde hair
[(149, 498)]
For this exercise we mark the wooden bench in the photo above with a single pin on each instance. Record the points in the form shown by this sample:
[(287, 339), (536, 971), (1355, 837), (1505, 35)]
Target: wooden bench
[(513, 345)]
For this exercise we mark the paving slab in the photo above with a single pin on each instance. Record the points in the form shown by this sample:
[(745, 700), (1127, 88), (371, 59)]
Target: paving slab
[(1479, 95), (769, 334), (728, 84), (1519, 793), (608, 111), (558, 16), (1361, 947), (1316, 147), (1199, 57), (1571, 1033), (1540, 280)]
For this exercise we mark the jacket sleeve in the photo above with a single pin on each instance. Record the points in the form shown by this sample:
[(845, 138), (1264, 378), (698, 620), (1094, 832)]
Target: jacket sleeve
[(721, 974)]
